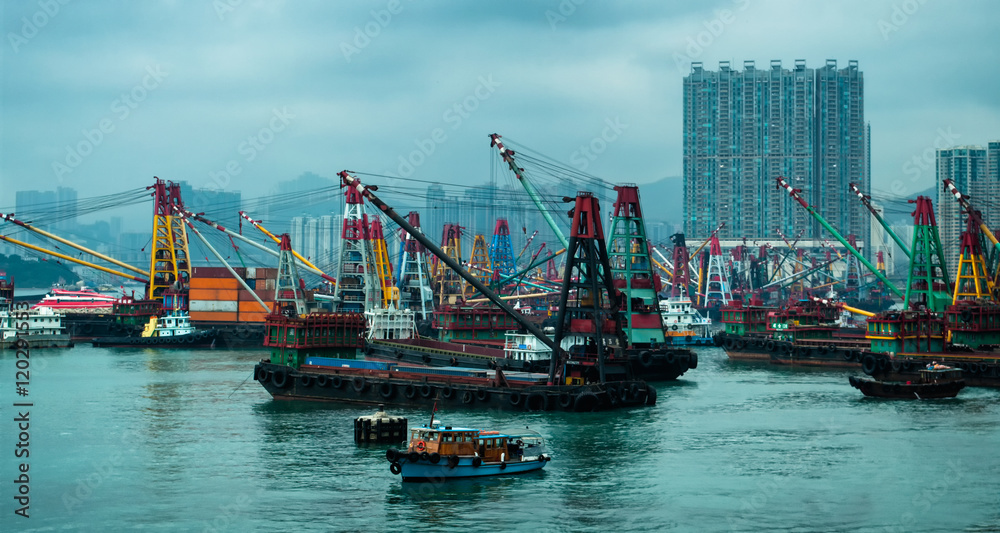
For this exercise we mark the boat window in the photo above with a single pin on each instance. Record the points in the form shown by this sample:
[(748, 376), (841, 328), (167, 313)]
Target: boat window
[(446, 438)]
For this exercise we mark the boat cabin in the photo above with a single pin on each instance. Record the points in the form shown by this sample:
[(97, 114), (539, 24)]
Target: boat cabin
[(740, 319), (491, 446)]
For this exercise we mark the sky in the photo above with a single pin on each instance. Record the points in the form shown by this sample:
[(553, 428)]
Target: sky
[(241, 94)]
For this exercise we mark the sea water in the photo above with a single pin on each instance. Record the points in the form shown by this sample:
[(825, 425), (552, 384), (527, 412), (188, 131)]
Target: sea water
[(185, 440)]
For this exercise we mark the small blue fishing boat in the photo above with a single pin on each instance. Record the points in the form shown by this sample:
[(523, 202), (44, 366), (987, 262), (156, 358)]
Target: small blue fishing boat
[(438, 453)]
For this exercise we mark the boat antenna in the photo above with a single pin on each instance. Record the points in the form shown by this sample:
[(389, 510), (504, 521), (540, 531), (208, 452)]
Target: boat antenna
[(434, 410)]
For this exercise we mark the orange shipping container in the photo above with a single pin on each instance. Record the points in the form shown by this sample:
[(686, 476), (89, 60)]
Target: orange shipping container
[(254, 307), (227, 295), (212, 316), (214, 283)]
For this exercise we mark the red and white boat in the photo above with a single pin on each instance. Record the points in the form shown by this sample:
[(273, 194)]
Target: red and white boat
[(78, 301)]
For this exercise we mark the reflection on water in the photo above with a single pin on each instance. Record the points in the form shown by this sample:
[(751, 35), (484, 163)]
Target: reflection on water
[(182, 440)]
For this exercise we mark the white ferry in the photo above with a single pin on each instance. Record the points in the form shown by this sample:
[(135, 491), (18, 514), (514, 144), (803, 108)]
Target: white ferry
[(45, 329)]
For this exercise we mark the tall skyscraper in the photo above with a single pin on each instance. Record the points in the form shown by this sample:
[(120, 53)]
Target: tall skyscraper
[(744, 128), (974, 171)]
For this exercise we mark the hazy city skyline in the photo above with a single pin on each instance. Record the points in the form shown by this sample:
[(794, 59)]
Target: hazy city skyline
[(238, 96)]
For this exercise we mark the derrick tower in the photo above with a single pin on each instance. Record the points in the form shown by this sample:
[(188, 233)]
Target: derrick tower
[(501, 252), (972, 281), (588, 324), (797, 289), (631, 270), (716, 283), (551, 270), (357, 287), (681, 279), (414, 278), (852, 275), (383, 267), (927, 282), (479, 264), (450, 286), (169, 260), (289, 292)]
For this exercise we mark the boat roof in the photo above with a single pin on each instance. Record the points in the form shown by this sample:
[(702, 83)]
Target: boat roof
[(481, 432)]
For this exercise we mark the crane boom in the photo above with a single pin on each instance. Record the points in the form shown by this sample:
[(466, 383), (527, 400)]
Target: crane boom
[(253, 243), (351, 181), (963, 200), (866, 200), (794, 193), (508, 157), (25, 225), (258, 225), (73, 259)]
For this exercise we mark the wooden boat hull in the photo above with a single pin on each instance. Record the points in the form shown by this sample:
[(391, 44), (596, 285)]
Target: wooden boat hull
[(373, 387), (424, 470), (663, 364), (907, 391), (979, 369), (835, 353)]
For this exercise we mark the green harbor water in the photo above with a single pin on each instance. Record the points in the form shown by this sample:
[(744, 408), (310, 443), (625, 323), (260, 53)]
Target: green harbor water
[(162, 440)]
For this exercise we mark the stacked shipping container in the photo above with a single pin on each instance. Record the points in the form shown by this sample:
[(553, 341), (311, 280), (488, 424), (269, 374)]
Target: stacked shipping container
[(216, 296)]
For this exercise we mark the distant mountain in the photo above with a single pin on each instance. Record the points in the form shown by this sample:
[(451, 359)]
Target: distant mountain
[(663, 200)]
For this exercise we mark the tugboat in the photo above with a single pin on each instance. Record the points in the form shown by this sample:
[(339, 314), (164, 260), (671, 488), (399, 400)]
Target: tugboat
[(683, 324), (438, 453), (172, 330), (936, 381)]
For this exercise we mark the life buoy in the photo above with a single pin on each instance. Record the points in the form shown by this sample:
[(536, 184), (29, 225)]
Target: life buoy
[(409, 391), (337, 382), (467, 397), (482, 395), (359, 383), (279, 378), (386, 390), (395, 468)]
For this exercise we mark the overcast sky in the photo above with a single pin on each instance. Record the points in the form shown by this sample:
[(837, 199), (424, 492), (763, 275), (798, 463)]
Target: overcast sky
[(101, 96)]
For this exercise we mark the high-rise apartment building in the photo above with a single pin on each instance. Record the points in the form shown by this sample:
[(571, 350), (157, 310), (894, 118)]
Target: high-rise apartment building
[(974, 170), (744, 128)]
